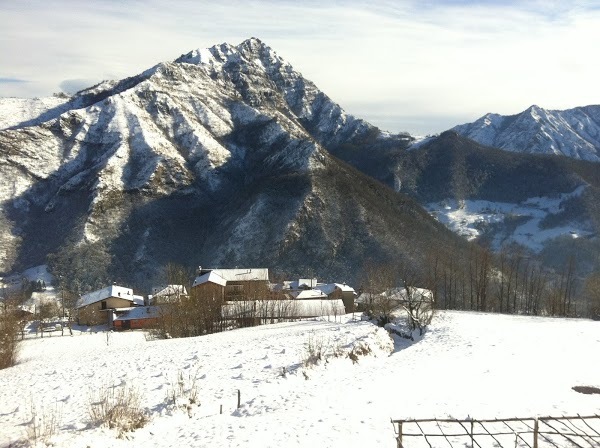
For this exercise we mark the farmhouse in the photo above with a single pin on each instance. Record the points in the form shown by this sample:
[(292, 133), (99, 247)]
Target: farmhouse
[(233, 284), (310, 288), (254, 312), (96, 307), (166, 294), (398, 296), (339, 291), (136, 317)]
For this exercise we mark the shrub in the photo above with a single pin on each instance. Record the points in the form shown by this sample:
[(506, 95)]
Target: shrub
[(361, 349), (315, 351), (117, 408), (9, 331)]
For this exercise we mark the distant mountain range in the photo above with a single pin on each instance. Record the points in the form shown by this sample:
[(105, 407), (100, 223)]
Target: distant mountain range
[(227, 156), (573, 133)]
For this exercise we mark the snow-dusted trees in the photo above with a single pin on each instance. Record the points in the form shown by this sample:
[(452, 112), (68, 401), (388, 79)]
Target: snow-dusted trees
[(379, 279), (9, 332)]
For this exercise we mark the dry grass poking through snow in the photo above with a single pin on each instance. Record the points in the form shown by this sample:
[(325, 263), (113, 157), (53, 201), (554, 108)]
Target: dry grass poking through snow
[(44, 424), (117, 408), (184, 393), (318, 350)]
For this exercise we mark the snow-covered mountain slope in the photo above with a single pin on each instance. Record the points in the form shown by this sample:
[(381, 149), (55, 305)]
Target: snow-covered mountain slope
[(505, 223), (14, 111), (546, 204), (216, 158), (493, 366), (573, 133)]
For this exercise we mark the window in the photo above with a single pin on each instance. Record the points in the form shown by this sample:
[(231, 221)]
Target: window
[(103, 305)]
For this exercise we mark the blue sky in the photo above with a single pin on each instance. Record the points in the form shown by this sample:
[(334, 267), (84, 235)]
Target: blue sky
[(419, 66)]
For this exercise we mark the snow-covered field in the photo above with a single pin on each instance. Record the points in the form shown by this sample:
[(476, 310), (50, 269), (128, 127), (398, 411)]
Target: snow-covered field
[(481, 365)]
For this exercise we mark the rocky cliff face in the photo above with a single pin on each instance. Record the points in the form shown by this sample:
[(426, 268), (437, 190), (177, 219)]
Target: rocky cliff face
[(573, 133), (217, 158)]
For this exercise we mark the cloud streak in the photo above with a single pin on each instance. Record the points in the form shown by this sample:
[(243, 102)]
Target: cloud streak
[(381, 59), (12, 80)]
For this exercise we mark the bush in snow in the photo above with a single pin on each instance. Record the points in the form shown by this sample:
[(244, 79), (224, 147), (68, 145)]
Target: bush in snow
[(9, 331), (315, 351), (117, 408)]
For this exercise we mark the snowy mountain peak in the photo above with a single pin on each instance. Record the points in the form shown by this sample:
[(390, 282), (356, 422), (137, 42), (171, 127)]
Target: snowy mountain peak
[(228, 134), (573, 133)]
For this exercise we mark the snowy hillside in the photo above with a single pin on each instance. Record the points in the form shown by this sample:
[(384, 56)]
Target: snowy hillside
[(572, 133), (473, 218), (468, 364)]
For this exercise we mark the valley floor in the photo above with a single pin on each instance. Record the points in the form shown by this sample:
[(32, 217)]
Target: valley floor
[(467, 364)]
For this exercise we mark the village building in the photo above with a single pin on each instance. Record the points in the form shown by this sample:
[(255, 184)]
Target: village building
[(399, 296), (97, 307), (307, 289), (233, 284), (340, 291), (166, 294), (139, 317)]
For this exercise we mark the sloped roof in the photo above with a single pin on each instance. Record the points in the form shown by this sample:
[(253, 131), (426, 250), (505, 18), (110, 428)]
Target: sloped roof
[(237, 275), (328, 288), (244, 274), (169, 290), (310, 294), (140, 312), (104, 293), (398, 294), (210, 277), (283, 308)]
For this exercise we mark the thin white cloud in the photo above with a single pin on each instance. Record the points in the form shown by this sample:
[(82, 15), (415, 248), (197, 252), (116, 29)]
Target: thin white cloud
[(380, 58)]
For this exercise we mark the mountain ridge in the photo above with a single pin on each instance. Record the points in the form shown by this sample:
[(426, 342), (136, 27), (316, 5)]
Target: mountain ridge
[(573, 132), (219, 157)]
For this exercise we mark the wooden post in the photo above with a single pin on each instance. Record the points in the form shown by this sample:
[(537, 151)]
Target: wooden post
[(536, 428), (399, 438), (239, 398), (472, 436), (221, 410)]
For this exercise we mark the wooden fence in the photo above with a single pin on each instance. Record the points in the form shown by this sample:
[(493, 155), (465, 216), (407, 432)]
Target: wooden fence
[(541, 432)]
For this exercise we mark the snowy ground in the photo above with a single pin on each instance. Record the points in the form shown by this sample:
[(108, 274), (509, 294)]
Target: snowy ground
[(475, 364), (471, 216)]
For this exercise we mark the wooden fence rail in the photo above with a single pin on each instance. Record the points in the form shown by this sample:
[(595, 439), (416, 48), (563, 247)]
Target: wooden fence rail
[(531, 432)]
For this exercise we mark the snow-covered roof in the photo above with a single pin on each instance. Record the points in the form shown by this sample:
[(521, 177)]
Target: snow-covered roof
[(310, 294), (105, 293), (169, 290), (138, 300), (140, 312), (398, 294), (237, 275), (329, 288), (210, 277), (283, 308)]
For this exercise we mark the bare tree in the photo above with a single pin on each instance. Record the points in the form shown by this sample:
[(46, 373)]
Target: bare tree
[(417, 302)]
